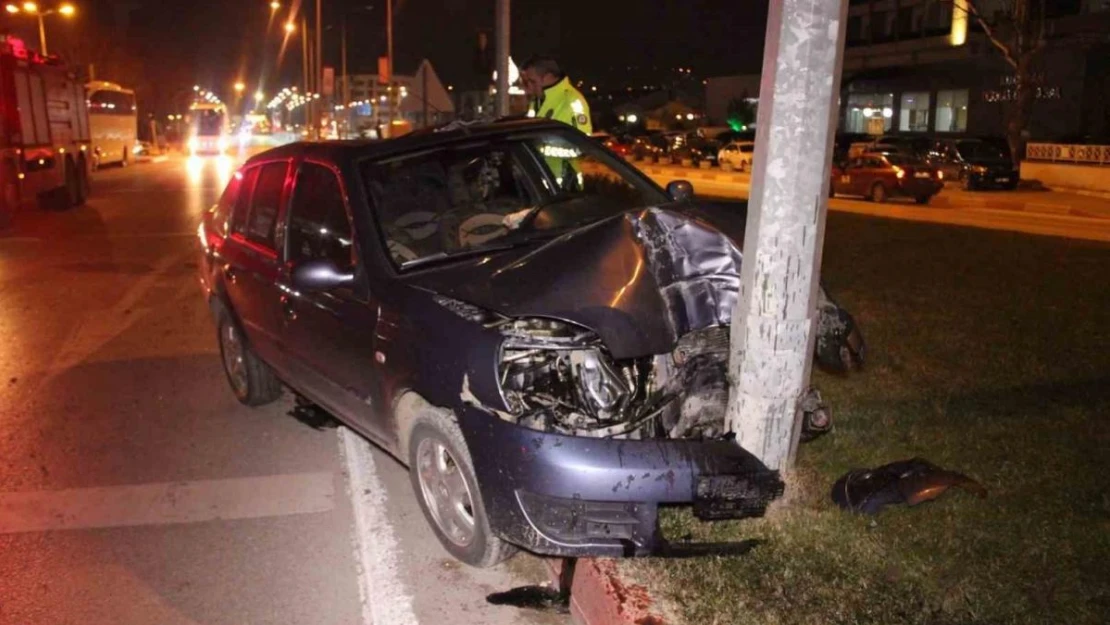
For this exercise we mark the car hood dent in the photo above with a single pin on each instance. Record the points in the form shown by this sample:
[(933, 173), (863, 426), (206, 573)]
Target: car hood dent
[(640, 280)]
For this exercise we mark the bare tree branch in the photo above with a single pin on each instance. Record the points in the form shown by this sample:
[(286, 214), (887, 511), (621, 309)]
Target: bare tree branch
[(1007, 53)]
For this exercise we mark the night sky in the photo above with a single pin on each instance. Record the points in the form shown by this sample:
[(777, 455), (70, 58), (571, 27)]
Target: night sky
[(212, 41)]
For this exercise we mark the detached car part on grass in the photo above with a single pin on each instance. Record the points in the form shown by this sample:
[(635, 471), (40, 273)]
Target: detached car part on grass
[(550, 393), (913, 481)]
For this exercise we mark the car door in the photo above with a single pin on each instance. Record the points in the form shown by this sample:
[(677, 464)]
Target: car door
[(329, 336), (251, 268), (847, 177)]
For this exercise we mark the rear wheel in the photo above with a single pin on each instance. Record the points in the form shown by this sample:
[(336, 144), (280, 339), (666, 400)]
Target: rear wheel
[(250, 379), (878, 193), (443, 479)]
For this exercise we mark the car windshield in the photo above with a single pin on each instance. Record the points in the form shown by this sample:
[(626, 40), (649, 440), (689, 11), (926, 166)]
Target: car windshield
[(466, 198), (980, 150)]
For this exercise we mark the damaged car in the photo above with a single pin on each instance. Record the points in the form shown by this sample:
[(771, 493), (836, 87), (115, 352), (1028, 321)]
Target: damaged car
[(535, 329)]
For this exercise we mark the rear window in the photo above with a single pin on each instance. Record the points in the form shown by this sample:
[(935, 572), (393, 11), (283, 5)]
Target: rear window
[(242, 201), (264, 204), (224, 208)]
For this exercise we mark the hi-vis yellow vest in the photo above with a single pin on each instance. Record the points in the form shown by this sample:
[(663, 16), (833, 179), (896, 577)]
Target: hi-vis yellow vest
[(563, 103)]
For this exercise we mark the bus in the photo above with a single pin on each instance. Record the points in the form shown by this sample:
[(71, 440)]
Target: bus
[(113, 123), (44, 131), (208, 128)]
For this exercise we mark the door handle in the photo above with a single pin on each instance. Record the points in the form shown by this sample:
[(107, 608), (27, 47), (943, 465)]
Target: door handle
[(287, 308)]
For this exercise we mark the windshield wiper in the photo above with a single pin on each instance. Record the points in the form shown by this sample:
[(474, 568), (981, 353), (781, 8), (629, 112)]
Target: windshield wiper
[(442, 256)]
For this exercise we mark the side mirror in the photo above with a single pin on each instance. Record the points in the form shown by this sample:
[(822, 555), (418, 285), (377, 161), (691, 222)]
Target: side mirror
[(680, 190), (320, 275)]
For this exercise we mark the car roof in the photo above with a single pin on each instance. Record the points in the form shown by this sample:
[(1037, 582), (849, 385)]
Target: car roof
[(346, 150)]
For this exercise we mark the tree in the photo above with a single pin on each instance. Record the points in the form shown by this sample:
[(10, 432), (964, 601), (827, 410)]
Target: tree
[(1016, 29), (740, 113)]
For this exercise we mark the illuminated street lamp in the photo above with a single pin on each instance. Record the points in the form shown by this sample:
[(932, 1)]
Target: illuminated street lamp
[(30, 8), (290, 27), (258, 96), (240, 87), (275, 5)]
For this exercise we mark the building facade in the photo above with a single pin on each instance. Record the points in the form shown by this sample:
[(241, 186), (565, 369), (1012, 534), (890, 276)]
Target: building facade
[(925, 66)]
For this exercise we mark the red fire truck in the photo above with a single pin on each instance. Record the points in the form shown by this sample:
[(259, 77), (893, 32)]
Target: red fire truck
[(44, 131)]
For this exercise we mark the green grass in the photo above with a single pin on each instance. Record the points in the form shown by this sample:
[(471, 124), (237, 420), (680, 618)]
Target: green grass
[(989, 353)]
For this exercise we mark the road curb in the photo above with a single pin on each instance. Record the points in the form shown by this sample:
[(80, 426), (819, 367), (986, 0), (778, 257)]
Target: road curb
[(600, 596)]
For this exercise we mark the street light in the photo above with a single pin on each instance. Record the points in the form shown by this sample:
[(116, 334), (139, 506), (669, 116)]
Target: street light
[(258, 96), (240, 87), (275, 5), (66, 10), (290, 27)]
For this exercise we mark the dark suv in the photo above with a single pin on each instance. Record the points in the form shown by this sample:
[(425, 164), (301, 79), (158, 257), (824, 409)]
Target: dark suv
[(536, 329)]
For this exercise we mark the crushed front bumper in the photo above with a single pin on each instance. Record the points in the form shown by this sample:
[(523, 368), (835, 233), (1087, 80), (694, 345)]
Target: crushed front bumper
[(572, 496)]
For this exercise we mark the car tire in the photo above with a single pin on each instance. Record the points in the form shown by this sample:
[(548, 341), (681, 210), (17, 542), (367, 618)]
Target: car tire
[(923, 199), (250, 379), (878, 193), (443, 480)]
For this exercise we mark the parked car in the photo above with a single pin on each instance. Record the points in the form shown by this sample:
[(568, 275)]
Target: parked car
[(618, 145), (651, 148), (977, 163), (736, 156), (879, 176), (694, 149), (546, 352)]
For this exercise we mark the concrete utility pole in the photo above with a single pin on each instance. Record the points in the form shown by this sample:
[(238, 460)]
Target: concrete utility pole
[(501, 101), (773, 322)]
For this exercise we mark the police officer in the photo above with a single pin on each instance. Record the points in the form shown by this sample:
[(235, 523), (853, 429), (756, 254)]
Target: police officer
[(553, 96)]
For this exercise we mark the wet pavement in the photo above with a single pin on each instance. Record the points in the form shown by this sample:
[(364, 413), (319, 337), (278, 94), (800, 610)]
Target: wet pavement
[(135, 489)]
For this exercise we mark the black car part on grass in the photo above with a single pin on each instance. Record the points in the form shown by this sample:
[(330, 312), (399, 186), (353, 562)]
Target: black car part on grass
[(911, 482)]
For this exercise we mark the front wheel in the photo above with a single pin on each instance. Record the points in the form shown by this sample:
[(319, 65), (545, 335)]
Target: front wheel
[(250, 379), (443, 479), (878, 193)]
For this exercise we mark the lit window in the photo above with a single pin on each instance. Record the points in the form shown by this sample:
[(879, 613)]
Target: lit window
[(952, 111), (914, 112)]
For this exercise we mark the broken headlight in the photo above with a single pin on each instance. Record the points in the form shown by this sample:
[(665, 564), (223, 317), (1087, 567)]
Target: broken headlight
[(558, 377)]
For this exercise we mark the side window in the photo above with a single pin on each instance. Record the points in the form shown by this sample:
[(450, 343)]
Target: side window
[(242, 201), (318, 224), (264, 204)]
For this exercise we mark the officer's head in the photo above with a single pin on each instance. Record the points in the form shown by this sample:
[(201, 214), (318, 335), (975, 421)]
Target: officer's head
[(539, 73)]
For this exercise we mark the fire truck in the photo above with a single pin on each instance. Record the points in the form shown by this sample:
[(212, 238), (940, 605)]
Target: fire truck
[(44, 131)]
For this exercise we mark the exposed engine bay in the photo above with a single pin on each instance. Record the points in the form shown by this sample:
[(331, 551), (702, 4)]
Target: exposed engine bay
[(559, 378)]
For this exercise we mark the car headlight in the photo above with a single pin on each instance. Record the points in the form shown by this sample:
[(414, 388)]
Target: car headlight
[(221, 144), (193, 143)]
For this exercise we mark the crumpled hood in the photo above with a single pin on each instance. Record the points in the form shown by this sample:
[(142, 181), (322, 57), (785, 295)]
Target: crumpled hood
[(640, 280)]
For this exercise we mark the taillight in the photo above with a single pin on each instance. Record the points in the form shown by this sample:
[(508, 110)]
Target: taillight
[(940, 175), (899, 172)]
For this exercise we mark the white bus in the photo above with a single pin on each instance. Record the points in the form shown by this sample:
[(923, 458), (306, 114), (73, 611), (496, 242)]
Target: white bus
[(113, 122), (209, 129)]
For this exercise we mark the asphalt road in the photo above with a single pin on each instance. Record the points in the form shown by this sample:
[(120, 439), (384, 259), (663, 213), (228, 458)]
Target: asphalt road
[(134, 489)]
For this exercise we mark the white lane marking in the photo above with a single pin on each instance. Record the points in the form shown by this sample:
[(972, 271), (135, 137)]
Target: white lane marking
[(167, 503), (385, 600)]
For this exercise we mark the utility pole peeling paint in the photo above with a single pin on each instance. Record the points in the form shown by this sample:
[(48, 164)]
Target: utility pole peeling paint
[(773, 323)]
